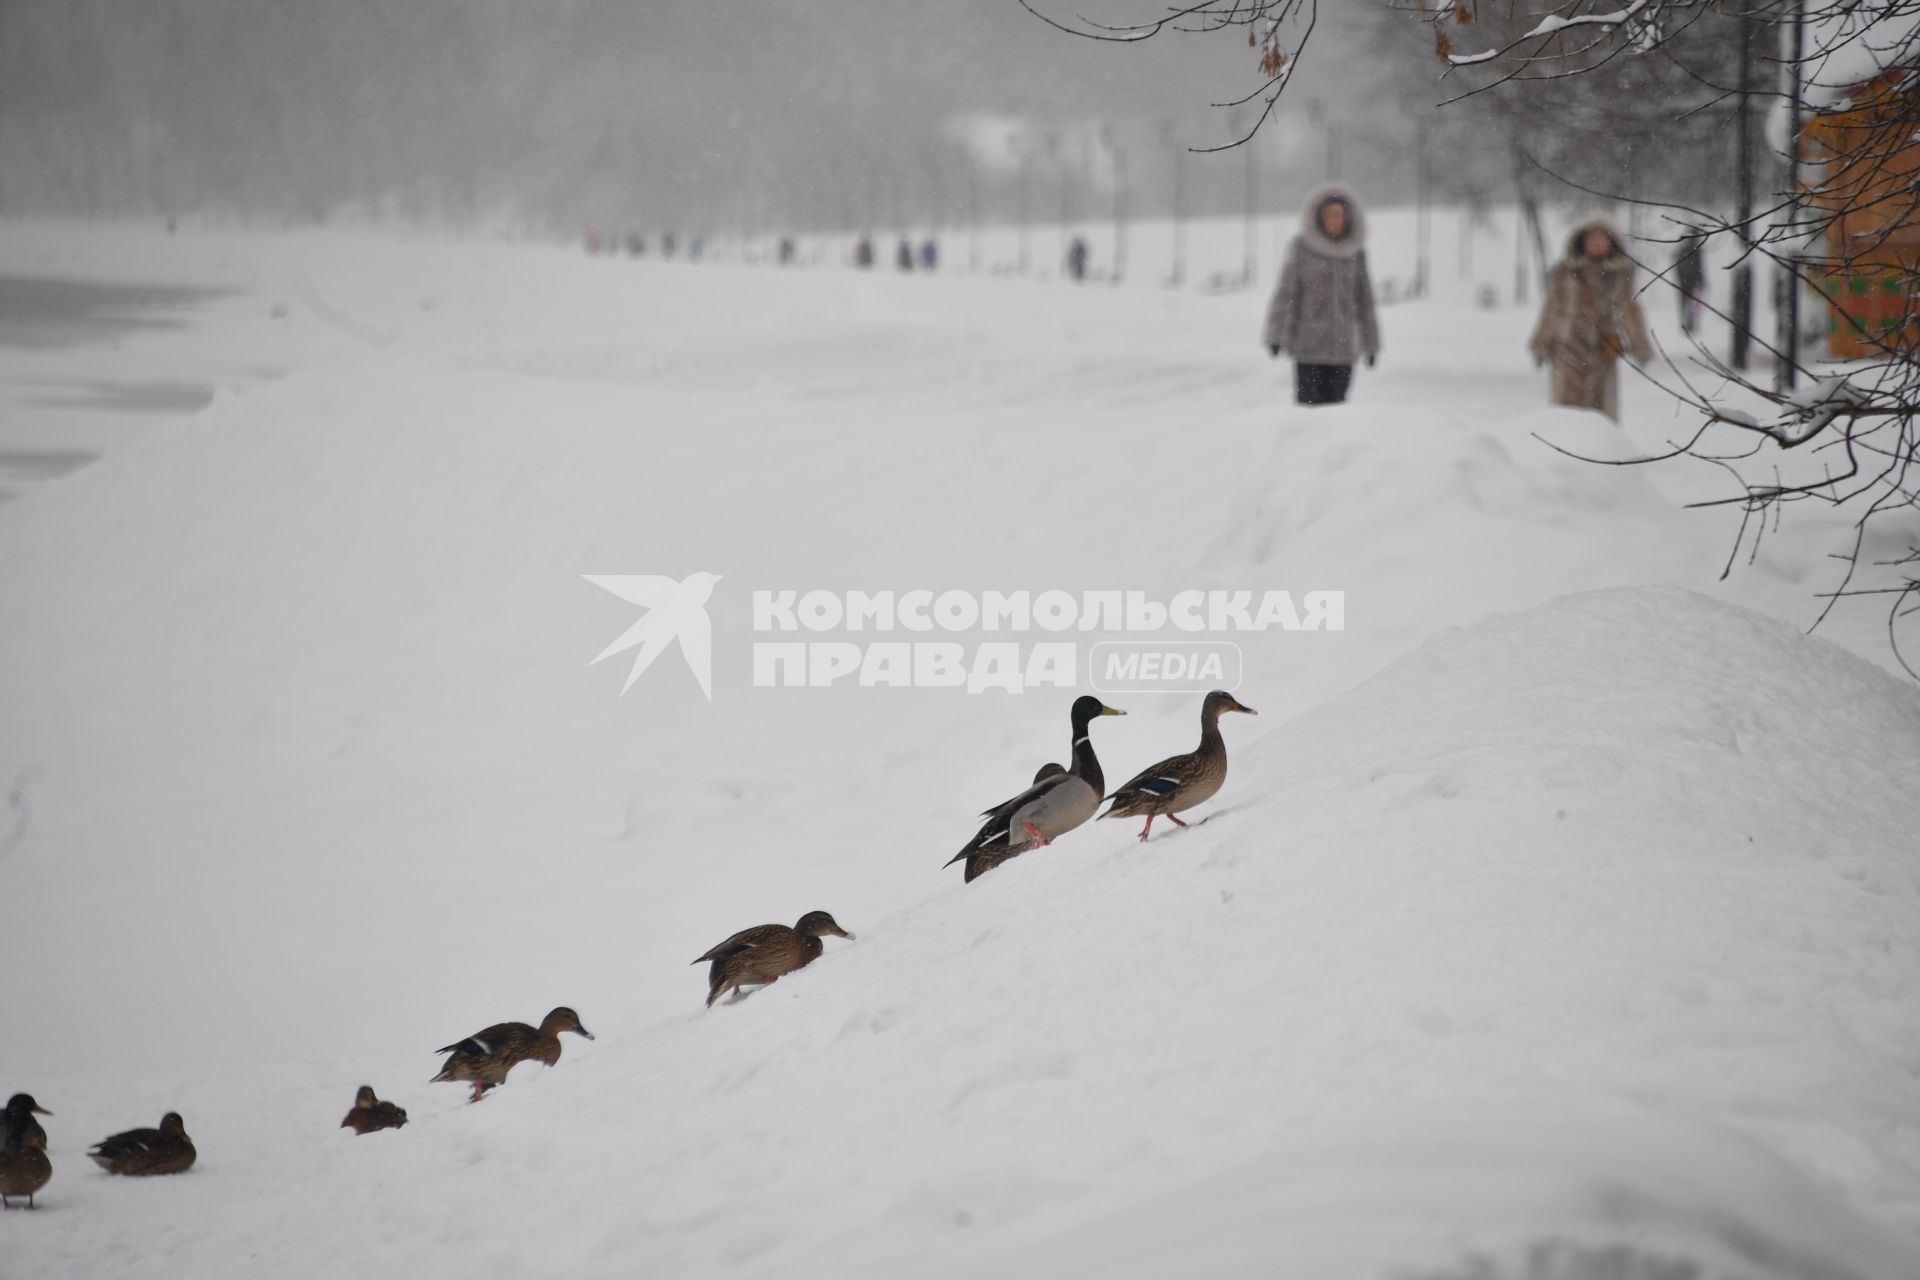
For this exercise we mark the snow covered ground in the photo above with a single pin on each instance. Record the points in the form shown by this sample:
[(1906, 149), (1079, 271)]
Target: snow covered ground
[(1555, 917)]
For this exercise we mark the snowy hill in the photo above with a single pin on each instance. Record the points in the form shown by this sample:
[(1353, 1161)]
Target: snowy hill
[(1585, 926), (1582, 928)]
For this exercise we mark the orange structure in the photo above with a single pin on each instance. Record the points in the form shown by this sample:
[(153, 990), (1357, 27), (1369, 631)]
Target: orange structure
[(1866, 156)]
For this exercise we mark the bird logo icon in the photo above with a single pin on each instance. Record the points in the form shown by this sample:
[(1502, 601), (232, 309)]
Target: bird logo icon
[(674, 611)]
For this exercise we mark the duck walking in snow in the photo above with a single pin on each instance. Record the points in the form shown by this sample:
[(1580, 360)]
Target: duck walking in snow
[(140, 1153), (1178, 784), (369, 1114), (1055, 804), (24, 1167), (485, 1057), (982, 861), (761, 955)]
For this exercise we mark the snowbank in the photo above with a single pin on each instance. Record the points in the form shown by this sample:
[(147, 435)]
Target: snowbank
[(1584, 928)]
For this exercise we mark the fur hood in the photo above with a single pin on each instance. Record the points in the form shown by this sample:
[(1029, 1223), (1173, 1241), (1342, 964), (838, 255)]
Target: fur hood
[(1348, 245), (1598, 222)]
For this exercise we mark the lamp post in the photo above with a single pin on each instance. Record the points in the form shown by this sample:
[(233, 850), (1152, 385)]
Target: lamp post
[(1023, 156), (1119, 203), (1179, 275), (1423, 218), (1787, 304), (1056, 152), (1317, 116), (1251, 183), (973, 216), (1743, 274)]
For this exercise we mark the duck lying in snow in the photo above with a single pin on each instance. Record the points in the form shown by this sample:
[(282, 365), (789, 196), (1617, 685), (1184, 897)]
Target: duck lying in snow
[(370, 1115), (140, 1153)]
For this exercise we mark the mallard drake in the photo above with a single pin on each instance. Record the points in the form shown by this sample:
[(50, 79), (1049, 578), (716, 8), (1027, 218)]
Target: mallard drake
[(369, 1114), (982, 861), (24, 1167), (486, 1056), (1058, 801), (1178, 784), (761, 955), (140, 1153)]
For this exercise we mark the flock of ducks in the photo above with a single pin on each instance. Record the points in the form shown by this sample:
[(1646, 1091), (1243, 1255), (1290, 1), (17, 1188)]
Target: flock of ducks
[(25, 1168), (1060, 799)]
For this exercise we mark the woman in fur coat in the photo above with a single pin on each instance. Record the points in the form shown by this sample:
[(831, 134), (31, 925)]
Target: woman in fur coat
[(1590, 319), (1322, 310)]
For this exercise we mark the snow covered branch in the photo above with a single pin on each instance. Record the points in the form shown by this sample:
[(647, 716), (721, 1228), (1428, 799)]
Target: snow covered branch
[(1806, 413), (1554, 24)]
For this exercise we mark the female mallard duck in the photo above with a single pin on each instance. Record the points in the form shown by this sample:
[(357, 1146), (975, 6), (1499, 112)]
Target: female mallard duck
[(486, 1056), (140, 1153), (24, 1167), (1055, 804), (1176, 785), (761, 955), (369, 1114)]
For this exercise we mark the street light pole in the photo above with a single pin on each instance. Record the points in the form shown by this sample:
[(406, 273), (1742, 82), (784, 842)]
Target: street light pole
[(973, 217), (1119, 204), (1422, 213), (1179, 275), (1024, 152), (1743, 274), (1252, 182), (1787, 302), (1056, 152)]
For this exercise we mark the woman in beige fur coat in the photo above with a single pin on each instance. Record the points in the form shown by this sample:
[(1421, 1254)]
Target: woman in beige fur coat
[(1590, 319)]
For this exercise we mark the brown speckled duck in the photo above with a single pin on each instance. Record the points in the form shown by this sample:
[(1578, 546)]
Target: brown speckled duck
[(24, 1167), (1056, 803), (760, 955), (486, 1056), (140, 1153), (1178, 784), (369, 1114)]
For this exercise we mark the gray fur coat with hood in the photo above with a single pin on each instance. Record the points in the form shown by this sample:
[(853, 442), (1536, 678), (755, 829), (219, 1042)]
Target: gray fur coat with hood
[(1322, 310)]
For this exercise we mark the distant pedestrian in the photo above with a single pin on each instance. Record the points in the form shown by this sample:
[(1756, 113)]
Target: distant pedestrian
[(1077, 259), (863, 251), (903, 254), (929, 254), (1690, 277), (1590, 319), (786, 251), (1322, 311)]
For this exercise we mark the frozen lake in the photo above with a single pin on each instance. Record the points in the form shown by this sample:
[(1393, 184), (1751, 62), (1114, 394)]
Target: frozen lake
[(63, 393)]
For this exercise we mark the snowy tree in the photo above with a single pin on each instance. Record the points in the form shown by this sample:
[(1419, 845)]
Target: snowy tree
[(1806, 114), (1833, 213)]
